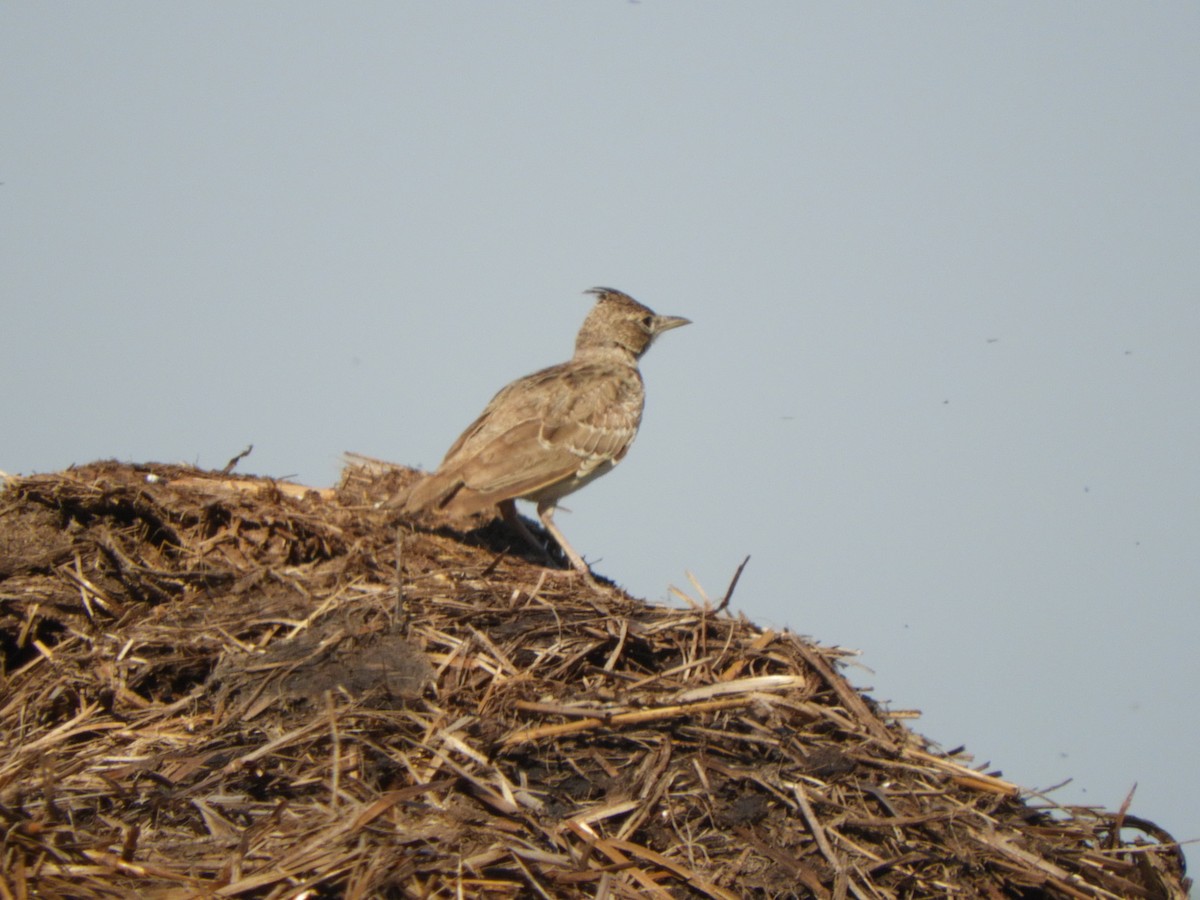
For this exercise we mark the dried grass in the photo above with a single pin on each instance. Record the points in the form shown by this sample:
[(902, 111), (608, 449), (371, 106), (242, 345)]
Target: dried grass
[(220, 688)]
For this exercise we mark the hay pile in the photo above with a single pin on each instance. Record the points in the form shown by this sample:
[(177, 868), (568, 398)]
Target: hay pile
[(223, 689)]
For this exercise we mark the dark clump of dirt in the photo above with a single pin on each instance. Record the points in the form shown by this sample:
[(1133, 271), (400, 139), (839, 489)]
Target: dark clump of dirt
[(219, 686)]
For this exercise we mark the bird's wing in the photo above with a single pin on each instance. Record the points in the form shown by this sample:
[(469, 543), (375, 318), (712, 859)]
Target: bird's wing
[(553, 426)]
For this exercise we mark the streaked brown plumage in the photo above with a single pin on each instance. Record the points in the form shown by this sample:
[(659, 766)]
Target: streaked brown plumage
[(550, 433)]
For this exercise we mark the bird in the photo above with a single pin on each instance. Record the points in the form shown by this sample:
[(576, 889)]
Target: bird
[(548, 434)]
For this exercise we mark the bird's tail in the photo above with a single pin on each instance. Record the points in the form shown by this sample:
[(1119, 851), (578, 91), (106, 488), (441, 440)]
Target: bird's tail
[(430, 492)]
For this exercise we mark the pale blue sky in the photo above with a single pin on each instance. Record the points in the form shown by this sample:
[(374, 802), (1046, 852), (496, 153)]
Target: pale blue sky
[(941, 259)]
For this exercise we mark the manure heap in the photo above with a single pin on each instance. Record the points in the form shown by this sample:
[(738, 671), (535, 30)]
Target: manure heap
[(220, 687)]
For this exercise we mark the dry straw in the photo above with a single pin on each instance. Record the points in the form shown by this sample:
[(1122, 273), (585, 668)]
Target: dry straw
[(239, 688)]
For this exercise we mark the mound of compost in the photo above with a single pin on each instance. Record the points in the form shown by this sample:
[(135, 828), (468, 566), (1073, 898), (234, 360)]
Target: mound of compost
[(236, 687)]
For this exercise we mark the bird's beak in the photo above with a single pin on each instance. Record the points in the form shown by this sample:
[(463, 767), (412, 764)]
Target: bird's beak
[(666, 323)]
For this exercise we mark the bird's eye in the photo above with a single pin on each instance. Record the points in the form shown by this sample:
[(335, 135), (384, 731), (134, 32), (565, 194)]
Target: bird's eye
[(647, 321)]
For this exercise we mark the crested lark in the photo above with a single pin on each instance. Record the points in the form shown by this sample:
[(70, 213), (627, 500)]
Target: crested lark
[(550, 433)]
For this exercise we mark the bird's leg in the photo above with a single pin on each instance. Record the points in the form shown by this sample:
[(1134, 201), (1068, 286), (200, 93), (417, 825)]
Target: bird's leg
[(508, 509), (545, 509)]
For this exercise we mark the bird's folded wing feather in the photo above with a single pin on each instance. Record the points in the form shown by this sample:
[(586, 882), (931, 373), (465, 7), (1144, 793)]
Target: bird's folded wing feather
[(550, 427)]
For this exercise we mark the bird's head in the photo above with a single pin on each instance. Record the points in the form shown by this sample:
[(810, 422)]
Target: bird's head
[(618, 322)]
